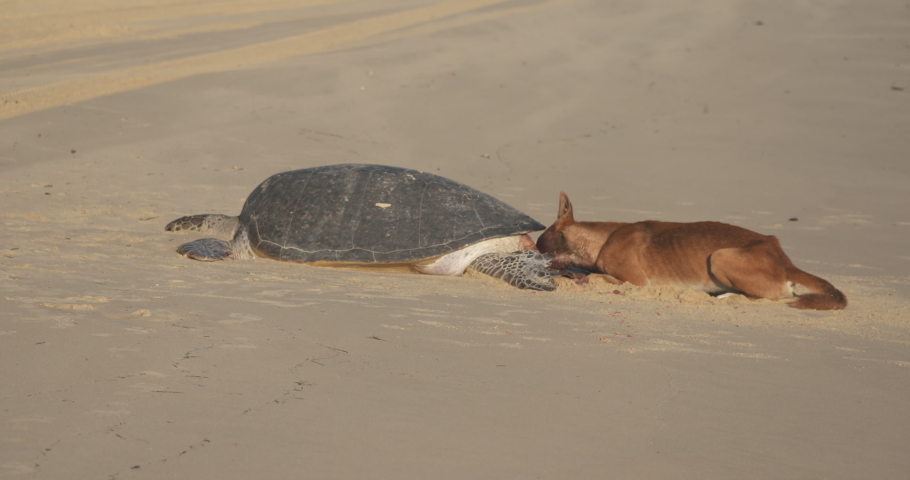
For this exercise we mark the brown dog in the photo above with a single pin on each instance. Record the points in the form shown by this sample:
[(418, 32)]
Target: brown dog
[(710, 256)]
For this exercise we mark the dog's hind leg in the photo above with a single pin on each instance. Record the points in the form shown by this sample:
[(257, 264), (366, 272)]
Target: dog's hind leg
[(758, 270)]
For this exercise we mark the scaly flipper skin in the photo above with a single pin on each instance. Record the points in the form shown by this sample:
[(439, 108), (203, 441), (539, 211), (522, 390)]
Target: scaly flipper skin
[(206, 250), (527, 269)]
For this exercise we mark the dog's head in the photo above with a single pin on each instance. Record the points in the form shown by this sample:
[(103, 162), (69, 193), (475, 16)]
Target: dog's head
[(553, 239)]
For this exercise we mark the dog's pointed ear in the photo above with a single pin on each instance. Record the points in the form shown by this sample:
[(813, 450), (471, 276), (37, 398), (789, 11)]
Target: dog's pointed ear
[(565, 213)]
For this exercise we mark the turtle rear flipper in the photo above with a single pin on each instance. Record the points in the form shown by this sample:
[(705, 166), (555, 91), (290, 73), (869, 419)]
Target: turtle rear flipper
[(523, 269), (207, 249)]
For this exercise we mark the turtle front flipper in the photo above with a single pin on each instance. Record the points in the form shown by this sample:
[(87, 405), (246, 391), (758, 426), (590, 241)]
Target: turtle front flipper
[(523, 269), (206, 249)]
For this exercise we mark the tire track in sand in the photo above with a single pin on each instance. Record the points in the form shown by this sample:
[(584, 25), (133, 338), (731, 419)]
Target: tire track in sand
[(41, 97)]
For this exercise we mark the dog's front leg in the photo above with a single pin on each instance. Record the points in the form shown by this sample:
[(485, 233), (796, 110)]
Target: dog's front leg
[(563, 261), (600, 276)]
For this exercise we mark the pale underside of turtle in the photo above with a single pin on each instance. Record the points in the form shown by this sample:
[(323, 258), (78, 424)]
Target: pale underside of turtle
[(375, 216)]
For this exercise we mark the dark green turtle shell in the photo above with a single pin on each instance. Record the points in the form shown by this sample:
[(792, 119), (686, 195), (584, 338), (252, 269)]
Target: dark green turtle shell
[(371, 214)]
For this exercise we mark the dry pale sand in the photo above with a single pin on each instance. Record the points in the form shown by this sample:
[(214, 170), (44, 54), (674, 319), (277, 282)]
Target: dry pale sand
[(120, 359)]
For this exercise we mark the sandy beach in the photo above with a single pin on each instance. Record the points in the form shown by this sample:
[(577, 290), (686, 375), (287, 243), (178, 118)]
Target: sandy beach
[(121, 359)]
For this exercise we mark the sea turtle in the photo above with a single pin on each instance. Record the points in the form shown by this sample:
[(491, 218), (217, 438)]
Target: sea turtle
[(375, 215)]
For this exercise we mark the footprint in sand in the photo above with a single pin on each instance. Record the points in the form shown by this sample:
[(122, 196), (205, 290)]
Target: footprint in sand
[(239, 319)]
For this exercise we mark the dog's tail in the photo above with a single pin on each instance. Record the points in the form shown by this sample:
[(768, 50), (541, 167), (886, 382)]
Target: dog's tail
[(823, 297)]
